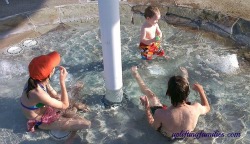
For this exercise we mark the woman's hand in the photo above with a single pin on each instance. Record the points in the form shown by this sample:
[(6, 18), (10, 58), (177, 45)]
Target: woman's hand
[(63, 73), (197, 87), (147, 103)]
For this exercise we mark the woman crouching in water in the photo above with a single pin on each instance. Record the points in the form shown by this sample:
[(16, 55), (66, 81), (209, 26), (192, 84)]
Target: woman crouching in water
[(41, 104)]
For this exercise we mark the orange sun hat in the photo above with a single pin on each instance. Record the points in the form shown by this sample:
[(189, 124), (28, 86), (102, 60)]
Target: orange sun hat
[(40, 67)]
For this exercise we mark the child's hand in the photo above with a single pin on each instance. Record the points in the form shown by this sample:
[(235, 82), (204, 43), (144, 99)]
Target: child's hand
[(157, 39)]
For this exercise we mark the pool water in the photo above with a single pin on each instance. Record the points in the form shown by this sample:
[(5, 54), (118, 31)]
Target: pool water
[(210, 60)]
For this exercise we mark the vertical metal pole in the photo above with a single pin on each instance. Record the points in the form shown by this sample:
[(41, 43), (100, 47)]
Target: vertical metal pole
[(109, 18)]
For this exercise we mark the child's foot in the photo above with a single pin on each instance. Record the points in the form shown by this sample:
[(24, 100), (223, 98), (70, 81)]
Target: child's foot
[(184, 72), (167, 57), (81, 106)]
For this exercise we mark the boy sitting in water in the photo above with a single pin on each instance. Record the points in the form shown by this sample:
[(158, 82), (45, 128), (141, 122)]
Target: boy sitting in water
[(181, 115), (151, 34)]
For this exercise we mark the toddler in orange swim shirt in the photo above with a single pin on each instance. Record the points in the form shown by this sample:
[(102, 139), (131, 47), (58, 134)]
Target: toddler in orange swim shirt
[(151, 35)]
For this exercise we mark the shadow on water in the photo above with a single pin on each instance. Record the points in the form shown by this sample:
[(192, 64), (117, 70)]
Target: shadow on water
[(93, 66), (98, 66), (12, 117), (136, 129)]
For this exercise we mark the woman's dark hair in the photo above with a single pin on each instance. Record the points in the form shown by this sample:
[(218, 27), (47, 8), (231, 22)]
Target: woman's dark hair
[(32, 84), (178, 90)]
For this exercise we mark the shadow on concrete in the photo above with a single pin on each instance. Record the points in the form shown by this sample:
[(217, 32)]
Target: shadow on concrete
[(18, 6), (13, 13)]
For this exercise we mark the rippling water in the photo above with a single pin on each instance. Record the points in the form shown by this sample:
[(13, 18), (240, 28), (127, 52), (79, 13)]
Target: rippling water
[(210, 60)]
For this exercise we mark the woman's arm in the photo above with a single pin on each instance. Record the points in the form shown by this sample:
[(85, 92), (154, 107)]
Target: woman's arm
[(152, 120), (60, 104), (64, 94), (149, 116), (204, 107), (52, 92)]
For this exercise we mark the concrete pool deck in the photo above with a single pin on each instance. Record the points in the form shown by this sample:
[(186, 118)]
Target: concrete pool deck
[(19, 21), (29, 20), (236, 8), (17, 24)]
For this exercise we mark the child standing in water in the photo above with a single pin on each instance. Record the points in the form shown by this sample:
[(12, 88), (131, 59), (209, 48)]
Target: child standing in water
[(151, 35)]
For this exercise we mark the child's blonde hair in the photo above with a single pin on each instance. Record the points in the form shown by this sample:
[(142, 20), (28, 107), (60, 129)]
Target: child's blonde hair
[(151, 11)]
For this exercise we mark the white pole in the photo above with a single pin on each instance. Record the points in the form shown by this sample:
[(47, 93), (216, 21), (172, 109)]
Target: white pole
[(109, 18)]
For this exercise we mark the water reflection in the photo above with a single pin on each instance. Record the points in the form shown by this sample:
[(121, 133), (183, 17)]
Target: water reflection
[(211, 61)]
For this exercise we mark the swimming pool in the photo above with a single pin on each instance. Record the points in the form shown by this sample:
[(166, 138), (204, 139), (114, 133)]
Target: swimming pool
[(211, 60)]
